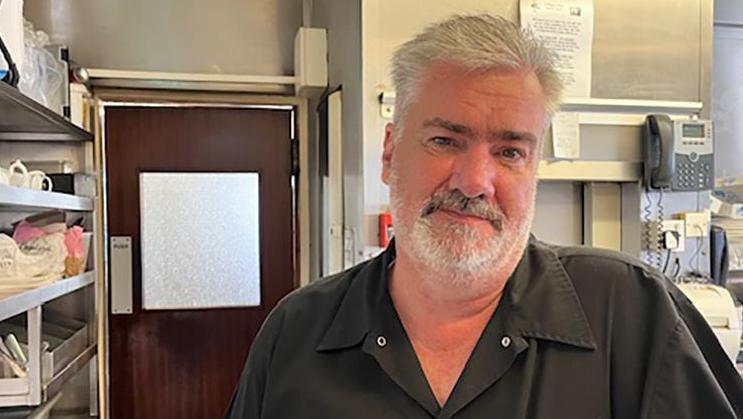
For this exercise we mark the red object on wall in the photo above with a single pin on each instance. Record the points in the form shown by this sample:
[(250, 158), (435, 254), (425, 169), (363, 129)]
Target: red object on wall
[(385, 229)]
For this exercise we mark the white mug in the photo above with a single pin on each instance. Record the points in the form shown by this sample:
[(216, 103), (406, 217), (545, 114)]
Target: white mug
[(15, 175), (36, 180)]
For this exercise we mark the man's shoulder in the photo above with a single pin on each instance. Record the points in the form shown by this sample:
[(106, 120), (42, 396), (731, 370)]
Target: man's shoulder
[(317, 303), (594, 271), (605, 278), (591, 254), (611, 264)]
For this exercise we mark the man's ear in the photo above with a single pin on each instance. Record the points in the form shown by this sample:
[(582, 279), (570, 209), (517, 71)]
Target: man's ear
[(389, 148)]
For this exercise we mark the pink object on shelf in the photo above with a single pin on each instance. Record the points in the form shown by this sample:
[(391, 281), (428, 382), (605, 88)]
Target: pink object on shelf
[(73, 240), (25, 232)]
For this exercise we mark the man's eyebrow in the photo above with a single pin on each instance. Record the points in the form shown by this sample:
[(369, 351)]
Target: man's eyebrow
[(509, 135), (448, 125)]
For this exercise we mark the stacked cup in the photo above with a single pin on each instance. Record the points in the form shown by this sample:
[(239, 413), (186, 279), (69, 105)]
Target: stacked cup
[(18, 175)]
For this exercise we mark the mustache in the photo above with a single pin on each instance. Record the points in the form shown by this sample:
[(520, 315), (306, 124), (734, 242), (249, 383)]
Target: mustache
[(455, 200)]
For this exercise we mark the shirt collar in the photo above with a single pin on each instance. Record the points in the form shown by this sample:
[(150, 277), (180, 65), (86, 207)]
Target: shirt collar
[(363, 303), (540, 300)]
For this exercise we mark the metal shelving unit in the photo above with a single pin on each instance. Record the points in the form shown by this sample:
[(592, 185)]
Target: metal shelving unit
[(33, 390), (24, 120), (14, 304), (14, 199)]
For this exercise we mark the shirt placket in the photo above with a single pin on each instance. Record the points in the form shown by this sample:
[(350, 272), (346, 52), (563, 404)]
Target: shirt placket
[(493, 356), (388, 343)]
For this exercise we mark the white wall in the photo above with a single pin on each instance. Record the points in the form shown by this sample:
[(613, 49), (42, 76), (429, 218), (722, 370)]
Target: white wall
[(727, 88), (727, 94), (557, 218), (215, 36)]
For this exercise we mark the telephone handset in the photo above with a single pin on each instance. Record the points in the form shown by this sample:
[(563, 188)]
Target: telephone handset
[(659, 155), (677, 154)]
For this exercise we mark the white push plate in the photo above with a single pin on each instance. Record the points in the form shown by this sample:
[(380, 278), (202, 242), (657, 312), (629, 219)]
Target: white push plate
[(121, 275)]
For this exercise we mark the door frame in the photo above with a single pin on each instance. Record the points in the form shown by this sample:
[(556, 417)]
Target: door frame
[(111, 97)]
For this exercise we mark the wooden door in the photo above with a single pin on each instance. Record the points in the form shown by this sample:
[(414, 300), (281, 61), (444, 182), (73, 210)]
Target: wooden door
[(185, 363)]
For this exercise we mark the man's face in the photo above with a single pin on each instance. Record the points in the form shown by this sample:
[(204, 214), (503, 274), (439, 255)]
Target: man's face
[(462, 170)]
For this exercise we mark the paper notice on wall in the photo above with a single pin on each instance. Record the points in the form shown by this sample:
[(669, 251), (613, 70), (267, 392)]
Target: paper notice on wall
[(566, 28), (566, 135)]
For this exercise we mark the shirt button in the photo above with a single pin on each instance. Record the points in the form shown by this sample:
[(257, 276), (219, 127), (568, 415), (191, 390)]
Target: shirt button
[(381, 341), (505, 342)]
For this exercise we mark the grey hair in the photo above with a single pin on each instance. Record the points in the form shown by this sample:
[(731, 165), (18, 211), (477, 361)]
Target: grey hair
[(475, 42)]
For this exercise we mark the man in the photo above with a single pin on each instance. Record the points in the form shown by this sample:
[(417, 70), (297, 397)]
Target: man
[(465, 315)]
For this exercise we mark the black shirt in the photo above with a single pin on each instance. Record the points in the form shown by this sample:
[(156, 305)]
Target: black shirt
[(579, 333)]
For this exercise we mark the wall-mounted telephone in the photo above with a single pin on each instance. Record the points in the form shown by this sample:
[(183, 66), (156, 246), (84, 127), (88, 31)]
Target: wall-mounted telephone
[(678, 154)]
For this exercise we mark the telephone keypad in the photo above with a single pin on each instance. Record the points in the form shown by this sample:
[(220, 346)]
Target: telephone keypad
[(693, 172)]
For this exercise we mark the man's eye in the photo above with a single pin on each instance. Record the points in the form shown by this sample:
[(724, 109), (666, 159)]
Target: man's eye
[(512, 153), (442, 141)]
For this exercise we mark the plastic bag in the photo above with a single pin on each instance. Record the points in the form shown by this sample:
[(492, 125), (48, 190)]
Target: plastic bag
[(26, 235), (25, 231), (39, 261), (76, 251), (42, 75)]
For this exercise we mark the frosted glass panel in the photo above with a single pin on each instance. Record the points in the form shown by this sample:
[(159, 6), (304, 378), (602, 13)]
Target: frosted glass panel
[(200, 240)]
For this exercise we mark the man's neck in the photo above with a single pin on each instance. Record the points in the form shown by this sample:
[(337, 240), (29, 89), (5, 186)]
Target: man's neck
[(439, 315), (443, 321)]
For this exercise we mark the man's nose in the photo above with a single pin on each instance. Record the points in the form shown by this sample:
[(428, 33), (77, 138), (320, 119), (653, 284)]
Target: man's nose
[(474, 172)]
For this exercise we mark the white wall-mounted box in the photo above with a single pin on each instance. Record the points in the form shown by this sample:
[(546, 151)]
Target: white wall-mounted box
[(310, 61)]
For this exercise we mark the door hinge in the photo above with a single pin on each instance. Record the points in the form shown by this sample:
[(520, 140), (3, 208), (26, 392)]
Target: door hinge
[(295, 157)]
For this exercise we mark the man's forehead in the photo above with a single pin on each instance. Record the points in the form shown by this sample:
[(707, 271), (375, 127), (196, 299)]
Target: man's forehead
[(461, 99)]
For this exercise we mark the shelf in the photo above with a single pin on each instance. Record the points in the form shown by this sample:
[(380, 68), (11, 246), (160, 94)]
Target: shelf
[(589, 171), (53, 386), (15, 198), (14, 391), (630, 105), (23, 119), (14, 304)]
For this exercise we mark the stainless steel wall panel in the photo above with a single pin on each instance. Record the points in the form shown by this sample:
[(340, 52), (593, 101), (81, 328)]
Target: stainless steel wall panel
[(217, 36), (647, 50)]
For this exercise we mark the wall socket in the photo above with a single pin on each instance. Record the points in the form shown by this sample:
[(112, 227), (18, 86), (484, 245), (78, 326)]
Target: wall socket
[(664, 235), (673, 235), (697, 223)]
